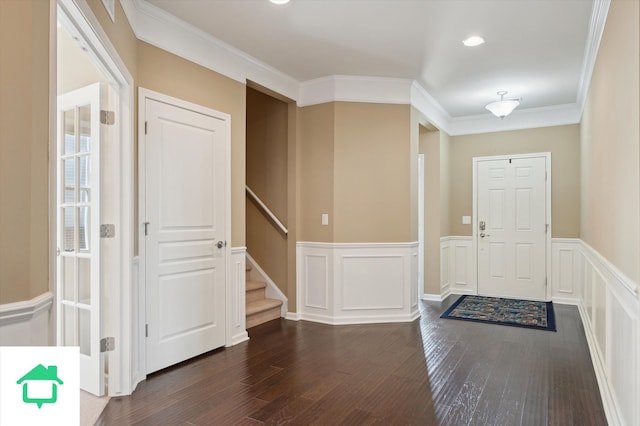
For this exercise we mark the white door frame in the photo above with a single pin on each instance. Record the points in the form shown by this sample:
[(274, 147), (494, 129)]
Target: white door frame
[(421, 271), (118, 316), (143, 95), (474, 221)]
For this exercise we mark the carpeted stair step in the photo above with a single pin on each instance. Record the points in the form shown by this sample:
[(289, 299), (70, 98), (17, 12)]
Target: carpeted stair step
[(255, 290), (261, 311)]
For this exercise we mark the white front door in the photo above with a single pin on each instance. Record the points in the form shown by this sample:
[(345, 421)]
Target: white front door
[(511, 227), (78, 231), (185, 241)]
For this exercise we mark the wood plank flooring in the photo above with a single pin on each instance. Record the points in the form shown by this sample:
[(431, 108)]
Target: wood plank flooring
[(429, 372)]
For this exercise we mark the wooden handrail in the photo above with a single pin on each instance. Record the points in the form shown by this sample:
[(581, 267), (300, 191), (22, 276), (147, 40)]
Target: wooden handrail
[(267, 211)]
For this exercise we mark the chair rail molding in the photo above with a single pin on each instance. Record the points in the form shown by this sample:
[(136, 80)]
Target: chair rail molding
[(27, 323), (357, 283)]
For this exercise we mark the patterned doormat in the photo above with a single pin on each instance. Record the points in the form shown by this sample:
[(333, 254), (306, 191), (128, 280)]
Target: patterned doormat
[(495, 310)]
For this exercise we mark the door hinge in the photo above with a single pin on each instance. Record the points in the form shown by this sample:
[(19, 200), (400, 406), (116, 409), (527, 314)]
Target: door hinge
[(107, 230), (146, 330), (146, 228), (546, 228), (107, 344), (145, 127), (545, 281), (107, 117)]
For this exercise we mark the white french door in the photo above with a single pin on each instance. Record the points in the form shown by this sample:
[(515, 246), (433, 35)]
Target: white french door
[(78, 231), (511, 226), (185, 241)]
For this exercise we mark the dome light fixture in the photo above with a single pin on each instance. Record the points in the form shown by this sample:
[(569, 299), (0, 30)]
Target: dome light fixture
[(473, 41), (503, 107), (279, 1)]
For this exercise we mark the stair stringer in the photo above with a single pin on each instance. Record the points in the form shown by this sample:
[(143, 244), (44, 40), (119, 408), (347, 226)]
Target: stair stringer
[(272, 291)]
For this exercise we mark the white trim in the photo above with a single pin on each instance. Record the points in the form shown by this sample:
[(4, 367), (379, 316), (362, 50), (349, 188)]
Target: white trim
[(342, 88), (474, 219), (236, 316), (272, 291), (617, 368), (596, 29), (24, 311), (357, 283), (109, 62), (162, 29), (159, 28)]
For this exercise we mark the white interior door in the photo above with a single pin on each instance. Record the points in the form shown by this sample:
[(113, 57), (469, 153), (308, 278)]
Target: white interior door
[(511, 227), (78, 231), (185, 233)]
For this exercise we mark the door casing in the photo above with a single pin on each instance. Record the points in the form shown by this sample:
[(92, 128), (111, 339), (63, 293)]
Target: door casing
[(474, 221), (118, 319)]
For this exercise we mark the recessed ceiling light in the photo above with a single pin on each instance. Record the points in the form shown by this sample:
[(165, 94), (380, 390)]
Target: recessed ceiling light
[(279, 1), (473, 41)]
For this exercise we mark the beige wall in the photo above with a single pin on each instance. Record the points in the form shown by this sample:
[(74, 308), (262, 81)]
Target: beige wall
[(169, 74), (431, 148), (315, 154), (372, 173), (445, 184), (564, 144), (610, 138), (267, 176), (24, 139)]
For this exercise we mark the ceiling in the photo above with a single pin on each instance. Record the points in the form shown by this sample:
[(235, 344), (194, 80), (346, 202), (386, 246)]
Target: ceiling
[(535, 49)]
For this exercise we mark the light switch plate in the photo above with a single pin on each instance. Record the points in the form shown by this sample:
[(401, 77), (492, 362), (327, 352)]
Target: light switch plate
[(325, 219), (466, 220)]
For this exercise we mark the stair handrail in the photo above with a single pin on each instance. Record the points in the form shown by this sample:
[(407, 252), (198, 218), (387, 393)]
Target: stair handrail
[(266, 209)]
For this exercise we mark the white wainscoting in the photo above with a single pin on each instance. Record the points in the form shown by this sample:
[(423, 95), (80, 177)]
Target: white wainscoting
[(236, 312), (609, 306), (456, 268), (27, 323), (342, 283)]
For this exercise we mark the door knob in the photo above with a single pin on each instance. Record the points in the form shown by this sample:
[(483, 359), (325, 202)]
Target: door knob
[(221, 244), (482, 235)]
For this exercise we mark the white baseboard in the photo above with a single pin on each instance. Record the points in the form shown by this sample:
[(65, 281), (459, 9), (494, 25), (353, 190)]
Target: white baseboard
[(27, 323), (293, 316)]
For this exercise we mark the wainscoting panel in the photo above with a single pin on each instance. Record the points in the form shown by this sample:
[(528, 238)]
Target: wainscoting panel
[(357, 283), (371, 282), (236, 318), (610, 307), (27, 323), (456, 267)]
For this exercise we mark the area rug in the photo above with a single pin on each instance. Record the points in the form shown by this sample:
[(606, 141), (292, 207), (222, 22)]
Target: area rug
[(495, 310)]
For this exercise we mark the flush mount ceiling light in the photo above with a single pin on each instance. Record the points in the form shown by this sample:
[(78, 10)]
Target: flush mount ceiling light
[(279, 1), (503, 107), (473, 41)]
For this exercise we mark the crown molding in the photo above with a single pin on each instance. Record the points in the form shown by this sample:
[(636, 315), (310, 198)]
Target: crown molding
[(343, 88), (531, 118), (596, 29), (161, 29)]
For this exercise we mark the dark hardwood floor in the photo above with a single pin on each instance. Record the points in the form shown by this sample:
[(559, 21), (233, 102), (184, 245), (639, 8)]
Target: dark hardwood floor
[(429, 372)]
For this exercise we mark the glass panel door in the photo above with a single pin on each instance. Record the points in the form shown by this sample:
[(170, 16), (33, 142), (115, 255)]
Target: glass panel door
[(79, 231)]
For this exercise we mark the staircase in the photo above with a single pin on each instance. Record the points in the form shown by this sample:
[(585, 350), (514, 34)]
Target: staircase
[(259, 309)]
